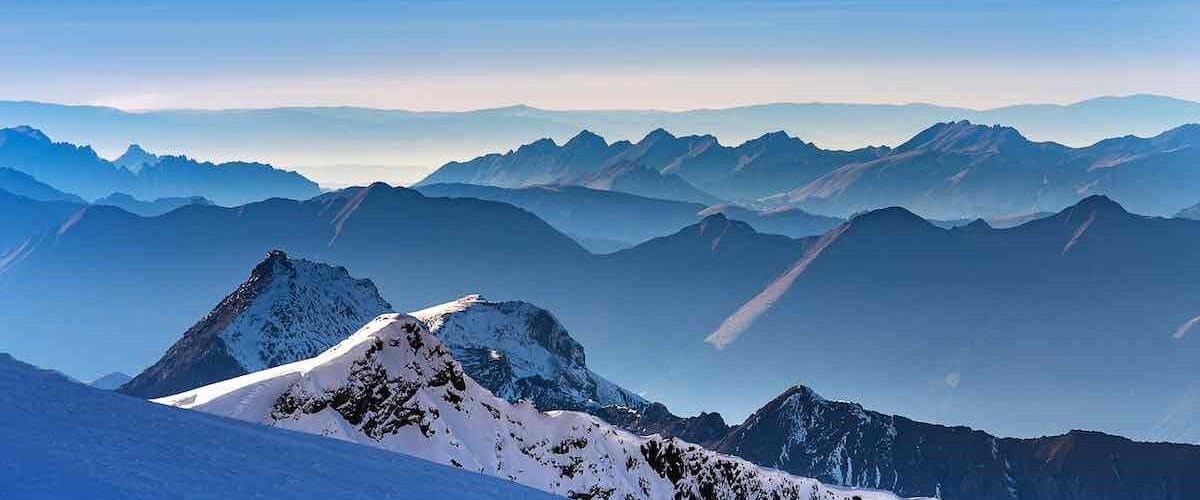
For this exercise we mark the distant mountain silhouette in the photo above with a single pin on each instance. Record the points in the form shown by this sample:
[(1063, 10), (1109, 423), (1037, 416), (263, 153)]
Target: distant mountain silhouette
[(150, 208), (960, 169), (624, 219), (751, 170), (1192, 212), (326, 136), (22, 184), (80, 170), (1067, 307), (135, 158)]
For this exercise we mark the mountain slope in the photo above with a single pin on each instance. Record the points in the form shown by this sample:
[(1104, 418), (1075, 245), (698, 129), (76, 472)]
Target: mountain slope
[(1192, 212), (80, 170), (395, 386), (1060, 305), (24, 222), (842, 443), (81, 442), (149, 208), (634, 178), (111, 381), (287, 310), (22, 184)]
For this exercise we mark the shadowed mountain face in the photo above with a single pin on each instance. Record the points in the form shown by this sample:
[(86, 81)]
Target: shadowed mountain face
[(628, 176), (959, 169), (150, 208), (22, 184), (1065, 307), (80, 170), (25, 222), (624, 219), (754, 169), (842, 443)]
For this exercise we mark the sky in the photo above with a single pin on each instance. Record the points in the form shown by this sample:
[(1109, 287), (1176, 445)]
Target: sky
[(575, 55)]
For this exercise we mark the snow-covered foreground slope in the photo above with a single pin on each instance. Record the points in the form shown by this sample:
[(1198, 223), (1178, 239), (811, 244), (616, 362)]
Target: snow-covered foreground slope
[(287, 310), (517, 351), (61, 439), (395, 386)]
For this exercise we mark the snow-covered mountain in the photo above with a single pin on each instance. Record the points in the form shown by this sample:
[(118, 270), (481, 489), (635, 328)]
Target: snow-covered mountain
[(288, 310), (63, 439), (520, 351), (394, 385)]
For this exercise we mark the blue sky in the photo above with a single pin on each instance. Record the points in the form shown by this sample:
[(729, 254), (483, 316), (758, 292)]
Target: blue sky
[(668, 55)]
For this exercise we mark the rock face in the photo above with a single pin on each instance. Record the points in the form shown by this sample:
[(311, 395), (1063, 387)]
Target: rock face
[(841, 443), (519, 351), (706, 429), (289, 309), (395, 386)]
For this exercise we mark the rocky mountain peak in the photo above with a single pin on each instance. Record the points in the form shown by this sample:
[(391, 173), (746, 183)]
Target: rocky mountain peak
[(135, 158), (966, 137), (287, 309), (586, 139), (520, 351)]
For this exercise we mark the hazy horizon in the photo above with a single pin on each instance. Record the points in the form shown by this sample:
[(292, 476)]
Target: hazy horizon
[(584, 108), (667, 55)]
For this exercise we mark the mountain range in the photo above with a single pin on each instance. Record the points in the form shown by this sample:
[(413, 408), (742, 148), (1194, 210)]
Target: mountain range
[(393, 385), (522, 353), (80, 171), (753, 169), (400, 145), (150, 208), (950, 170), (842, 443), (1064, 305), (76, 441), (963, 170), (605, 221)]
